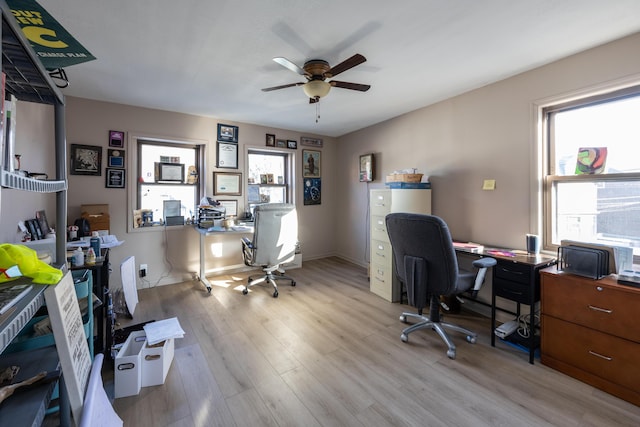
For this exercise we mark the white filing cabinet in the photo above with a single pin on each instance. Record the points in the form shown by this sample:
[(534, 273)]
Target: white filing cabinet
[(382, 278)]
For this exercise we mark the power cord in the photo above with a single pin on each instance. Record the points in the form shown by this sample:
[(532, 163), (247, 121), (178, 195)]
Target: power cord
[(524, 322)]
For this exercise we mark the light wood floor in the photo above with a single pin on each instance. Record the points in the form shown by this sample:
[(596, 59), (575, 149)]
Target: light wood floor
[(328, 353)]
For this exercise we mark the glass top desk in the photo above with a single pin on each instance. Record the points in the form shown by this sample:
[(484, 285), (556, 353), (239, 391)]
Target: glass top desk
[(215, 231)]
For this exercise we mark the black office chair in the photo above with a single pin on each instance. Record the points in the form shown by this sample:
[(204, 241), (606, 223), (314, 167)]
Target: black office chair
[(274, 243), (426, 263)]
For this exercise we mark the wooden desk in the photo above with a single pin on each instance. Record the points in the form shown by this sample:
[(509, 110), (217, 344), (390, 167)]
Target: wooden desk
[(215, 231)]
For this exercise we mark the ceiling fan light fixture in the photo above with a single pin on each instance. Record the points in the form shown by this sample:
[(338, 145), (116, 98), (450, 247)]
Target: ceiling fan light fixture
[(316, 88)]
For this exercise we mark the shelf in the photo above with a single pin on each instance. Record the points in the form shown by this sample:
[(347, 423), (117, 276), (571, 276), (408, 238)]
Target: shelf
[(19, 182), (12, 322)]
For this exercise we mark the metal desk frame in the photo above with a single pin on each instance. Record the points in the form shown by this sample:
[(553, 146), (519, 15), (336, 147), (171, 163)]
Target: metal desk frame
[(203, 235)]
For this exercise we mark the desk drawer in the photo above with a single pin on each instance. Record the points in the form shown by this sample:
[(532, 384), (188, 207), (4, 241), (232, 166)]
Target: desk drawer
[(512, 271), (610, 358), (594, 304), (514, 291), (379, 228), (381, 252)]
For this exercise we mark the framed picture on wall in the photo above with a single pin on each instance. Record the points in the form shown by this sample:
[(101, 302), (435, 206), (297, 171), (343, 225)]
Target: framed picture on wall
[(227, 155), (116, 139), (227, 133), (310, 164), (291, 143), (86, 160), (115, 158), (227, 183), (115, 178), (230, 206), (366, 168), (270, 140)]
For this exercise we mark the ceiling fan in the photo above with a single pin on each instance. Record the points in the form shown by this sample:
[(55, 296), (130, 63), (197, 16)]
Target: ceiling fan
[(317, 71)]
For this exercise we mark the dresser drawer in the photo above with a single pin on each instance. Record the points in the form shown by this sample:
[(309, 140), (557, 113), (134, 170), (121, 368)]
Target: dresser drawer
[(379, 228), (605, 356), (380, 202), (381, 252), (514, 291), (594, 304), (515, 272)]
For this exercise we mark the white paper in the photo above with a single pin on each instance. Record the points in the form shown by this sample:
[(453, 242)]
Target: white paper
[(129, 287), (163, 330)]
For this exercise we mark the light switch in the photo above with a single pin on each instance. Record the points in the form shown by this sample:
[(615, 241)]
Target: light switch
[(489, 184)]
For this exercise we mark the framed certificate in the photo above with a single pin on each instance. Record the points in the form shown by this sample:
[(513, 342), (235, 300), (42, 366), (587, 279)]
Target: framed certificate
[(227, 155), (227, 183)]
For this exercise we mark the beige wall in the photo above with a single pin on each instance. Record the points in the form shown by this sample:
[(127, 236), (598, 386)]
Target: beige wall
[(484, 134), (174, 253), (34, 142)]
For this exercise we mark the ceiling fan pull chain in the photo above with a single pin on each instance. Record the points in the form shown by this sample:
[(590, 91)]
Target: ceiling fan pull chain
[(317, 110)]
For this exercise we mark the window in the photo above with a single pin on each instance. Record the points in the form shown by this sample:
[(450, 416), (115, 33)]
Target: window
[(269, 177), (592, 172), (167, 171)]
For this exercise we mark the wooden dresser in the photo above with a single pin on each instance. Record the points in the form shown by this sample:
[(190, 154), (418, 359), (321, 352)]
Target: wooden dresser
[(591, 331)]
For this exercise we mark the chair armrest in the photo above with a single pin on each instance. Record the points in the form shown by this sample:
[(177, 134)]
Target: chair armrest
[(482, 264), (246, 242)]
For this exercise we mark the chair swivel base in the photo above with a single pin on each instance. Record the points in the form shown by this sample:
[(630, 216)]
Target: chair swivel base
[(440, 327), (268, 277)]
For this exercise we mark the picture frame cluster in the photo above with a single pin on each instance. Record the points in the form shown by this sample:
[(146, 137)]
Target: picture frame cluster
[(271, 141), (116, 166), (227, 146)]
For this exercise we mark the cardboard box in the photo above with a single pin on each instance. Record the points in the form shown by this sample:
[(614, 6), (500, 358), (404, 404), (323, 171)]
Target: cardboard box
[(128, 366), (97, 215), (156, 361)]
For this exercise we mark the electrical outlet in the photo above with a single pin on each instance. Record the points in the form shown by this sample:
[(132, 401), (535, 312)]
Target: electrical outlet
[(143, 270)]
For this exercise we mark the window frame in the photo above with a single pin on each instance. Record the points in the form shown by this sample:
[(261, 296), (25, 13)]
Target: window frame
[(549, 179), (133, 147), (289, 175)]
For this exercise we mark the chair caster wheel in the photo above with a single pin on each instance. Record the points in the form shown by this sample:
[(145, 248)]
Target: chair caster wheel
[(451, 354), (245, 291), (275, 294), (404, 338), (293, 283), (471, 339), (403, 318)]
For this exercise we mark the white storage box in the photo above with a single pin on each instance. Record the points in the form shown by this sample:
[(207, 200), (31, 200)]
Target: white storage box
[(128, 366), (156, 361)]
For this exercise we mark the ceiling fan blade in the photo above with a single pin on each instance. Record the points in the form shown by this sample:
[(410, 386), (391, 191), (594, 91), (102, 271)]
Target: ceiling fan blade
[(269, 89), (347, 85), (356, 59), (290, 65)]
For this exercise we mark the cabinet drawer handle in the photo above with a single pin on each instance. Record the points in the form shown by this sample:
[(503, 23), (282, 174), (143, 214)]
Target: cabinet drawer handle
[(379, 229), (602, 310), (506, 270), (593, 353), (380, 205), (380, 279), (513, 292), (380, 255)]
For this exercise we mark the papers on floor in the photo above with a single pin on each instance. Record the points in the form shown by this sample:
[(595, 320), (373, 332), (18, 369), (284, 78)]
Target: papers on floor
[(162, 330)]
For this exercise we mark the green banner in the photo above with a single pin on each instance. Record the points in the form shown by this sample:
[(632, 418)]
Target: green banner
[(55, 47)]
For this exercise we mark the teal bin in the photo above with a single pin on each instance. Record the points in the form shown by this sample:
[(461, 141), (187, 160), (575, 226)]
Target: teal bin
[(27, 338)]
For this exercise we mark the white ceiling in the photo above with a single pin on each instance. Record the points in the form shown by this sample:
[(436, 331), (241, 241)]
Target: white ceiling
[(212, 57)]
